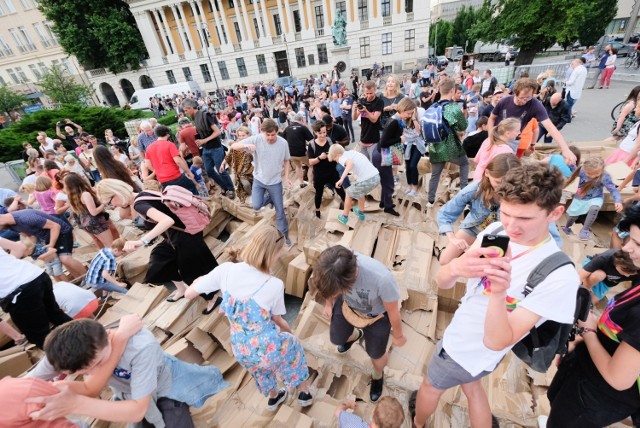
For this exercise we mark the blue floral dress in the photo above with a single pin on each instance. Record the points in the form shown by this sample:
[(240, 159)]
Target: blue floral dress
[(259, 346)]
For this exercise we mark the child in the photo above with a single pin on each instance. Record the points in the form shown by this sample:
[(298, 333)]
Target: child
[(368, 179), (45, 195), (590, 195), (76, 302), (387, 413), (37, 251), (103, 267), (506, 131), (474, 140), (196, 169), (72, 165), (557, 161), (628, 147), (240, 164), (606, 270)]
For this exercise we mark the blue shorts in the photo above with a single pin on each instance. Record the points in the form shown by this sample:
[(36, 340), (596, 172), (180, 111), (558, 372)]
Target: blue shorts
[(600, 289)]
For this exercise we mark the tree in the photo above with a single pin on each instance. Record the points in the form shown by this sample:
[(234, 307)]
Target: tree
[(61, 87), (441, 29), (100, 33), (533, 25), (10, 100)]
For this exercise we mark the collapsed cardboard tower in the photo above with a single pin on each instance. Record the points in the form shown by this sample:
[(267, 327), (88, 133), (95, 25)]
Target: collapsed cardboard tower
[(405, 244)]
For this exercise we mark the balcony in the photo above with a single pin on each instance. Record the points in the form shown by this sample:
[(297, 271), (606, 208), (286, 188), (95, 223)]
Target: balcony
[(386, 20), (409, 16), (364, 25), (319, 32), (97, 72)]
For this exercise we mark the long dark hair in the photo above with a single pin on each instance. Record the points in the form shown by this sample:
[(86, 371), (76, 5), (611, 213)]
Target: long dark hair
[(633, 95), (109, 167), (497, 168)]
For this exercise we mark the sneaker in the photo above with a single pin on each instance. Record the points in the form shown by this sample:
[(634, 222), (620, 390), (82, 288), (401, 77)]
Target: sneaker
[(407, 191), (230, 194), (287, 241), (273, 403), (376, 389), (305, 399), (359, 213), (584, 235), (412, 193), (344, 348), (343, 218), (392, 212), (567, 230), (430, 204)]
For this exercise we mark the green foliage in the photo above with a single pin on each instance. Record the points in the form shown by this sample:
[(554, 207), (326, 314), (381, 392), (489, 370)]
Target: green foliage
[(63, 88), (92, 119), (441, 29), (100, 33), (538, 24), (456, 32), (169, 119), (10, 100)]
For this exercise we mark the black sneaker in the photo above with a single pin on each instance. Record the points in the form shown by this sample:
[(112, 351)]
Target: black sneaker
[(230, 194), (305, 399), (344, 348), (376, 389), (318, 214), (392, 212), (273, 403)]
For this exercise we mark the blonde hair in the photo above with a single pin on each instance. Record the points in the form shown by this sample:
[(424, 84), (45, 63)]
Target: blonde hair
[(388, 413), (394, 79), (118, 244), (406, 104), (43, 183), (244, 129), (110, 187), (335, 151), (197, 160), (509, 124), (265, 243), (28, 188)]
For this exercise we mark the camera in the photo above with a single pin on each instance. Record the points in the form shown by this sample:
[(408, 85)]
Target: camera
[(59, 124), (361, 104)]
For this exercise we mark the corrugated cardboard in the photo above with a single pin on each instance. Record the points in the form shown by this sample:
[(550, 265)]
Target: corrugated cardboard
[(217, 325), (238, 210), (133, 267), (423, 322), (185, 351), (174, 317), (139, 300), (14, 364), (413, 356), (289, 418), (203, 342), (364, 236), (333, 225), (298, 274), (313, 247)]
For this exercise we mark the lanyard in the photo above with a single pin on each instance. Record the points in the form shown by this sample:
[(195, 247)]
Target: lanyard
[(535, 247)]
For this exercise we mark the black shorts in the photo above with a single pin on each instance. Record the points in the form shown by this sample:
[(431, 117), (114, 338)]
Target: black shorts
[(376, 335), (64, 244)]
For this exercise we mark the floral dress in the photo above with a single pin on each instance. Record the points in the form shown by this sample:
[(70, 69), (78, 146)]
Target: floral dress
[(259, 346)]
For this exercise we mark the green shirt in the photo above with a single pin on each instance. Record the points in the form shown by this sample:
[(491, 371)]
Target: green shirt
[(451, 148)]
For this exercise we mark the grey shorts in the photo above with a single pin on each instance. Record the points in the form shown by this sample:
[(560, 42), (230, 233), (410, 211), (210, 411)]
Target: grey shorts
[(360, 189), (444, 373)]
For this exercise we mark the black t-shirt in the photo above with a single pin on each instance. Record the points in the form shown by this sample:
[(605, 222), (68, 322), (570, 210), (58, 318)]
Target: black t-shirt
[(625, 318), (141, 207), (297, 136), (324, 169), (604, 262), (472, 143), (486, 111), (386, 115), (211, 120), (71, 141), (370, 132), (424, 95), (337, 133), (506, 108)]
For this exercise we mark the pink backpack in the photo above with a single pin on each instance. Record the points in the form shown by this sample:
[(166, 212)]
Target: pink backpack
[(190, 209)]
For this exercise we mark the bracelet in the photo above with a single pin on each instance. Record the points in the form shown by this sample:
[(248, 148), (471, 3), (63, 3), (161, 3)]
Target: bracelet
[(145, 241), (584, 330)]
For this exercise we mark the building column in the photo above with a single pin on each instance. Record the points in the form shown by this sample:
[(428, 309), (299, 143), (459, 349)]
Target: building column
[(283, 25), (332, 11), (312, 17), (247, 43), (148, 33), (292, 30), (162, 17), (216, 24), (185, 46), (307, 27), (228, 47), (185, 27), (198, 24), (265, 24)]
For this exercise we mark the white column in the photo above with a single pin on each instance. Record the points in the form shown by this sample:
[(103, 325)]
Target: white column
[(217, 24), (332, 9), (292, 29), (228, 47), (267, 19), (256, 11), (351, 25), (185, 27), (248, 40), (163, 36), (149, 35), (162, 17), (307, 27), (174, 11), (328, 17), (283, 26), (198, 24), (312, 17)]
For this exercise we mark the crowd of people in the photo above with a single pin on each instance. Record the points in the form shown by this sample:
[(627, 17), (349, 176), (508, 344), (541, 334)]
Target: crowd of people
[(346, 141)]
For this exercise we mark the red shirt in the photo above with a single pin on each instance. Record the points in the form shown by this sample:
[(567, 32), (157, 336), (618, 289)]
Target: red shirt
[(161, 154), (188, 136)]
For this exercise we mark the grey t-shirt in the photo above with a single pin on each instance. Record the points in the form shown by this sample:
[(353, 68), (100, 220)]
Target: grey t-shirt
[(374, 286), (140, 372), (268, 159)]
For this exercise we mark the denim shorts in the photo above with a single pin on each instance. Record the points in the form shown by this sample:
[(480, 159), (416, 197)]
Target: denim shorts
[(444, 373), (54, 267)]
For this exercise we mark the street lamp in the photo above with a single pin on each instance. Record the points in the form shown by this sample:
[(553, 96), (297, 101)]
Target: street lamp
[(286, 50), (213, 72)]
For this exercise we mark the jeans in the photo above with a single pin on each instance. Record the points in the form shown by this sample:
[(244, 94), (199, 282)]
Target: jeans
[(108, 286), (570, 102), (543, 133), (348, 126), (212, 160), (436, 171), (263, 194), (10, 235), (412, 166), (386, 180), (182, 181)]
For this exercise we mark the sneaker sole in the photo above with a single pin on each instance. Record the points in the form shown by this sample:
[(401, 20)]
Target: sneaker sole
[(305, 403), (274, 407)]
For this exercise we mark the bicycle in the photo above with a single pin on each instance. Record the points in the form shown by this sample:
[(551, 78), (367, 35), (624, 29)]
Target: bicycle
[(615, 112), (632, 60)]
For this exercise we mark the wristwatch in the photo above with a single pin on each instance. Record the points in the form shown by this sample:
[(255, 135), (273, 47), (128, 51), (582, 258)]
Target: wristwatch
[(145, 241)]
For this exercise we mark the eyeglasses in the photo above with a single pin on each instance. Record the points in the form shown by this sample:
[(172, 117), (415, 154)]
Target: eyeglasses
[(524, 99)]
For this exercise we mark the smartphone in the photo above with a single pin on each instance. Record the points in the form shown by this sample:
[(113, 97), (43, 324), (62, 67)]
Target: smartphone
[(498, 242)]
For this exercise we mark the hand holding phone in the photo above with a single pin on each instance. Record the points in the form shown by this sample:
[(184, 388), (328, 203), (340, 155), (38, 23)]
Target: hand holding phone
[(500, 243)]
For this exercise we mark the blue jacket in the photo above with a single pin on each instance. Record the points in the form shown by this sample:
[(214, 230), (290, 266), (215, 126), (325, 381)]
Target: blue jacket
[(450, 212), (597, 191)]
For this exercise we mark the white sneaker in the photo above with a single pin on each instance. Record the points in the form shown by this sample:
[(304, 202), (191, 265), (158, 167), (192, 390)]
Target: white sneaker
[(542, 421), (429, 205), (411, 193)]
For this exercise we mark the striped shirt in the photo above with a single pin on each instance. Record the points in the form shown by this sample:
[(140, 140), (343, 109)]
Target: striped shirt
[(104, 260)]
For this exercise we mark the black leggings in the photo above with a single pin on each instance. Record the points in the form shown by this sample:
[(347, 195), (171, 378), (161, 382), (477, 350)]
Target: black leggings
[(320, 182), (412, 166), (348, 126)]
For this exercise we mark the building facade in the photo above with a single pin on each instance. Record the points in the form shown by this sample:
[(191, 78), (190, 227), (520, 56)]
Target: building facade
[(28, 48), (446, 10), (222, 43)]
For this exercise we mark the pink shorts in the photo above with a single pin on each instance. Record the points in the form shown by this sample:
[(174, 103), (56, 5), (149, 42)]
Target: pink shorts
[(618, 155)]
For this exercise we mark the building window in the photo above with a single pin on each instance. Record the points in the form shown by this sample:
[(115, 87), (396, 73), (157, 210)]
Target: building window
[(197, 9), (262, 64), (52, 35), (35, 72), (204, 69), (23, 77), (296, 21), (13, 76), (169, 44), (242, 69), (300, 59), (236, 27), (386, 8), (171, 77), (224, 34), (231, 5), (319, 17), (312, 60), (2, 81), (178, 11), (342, 7), (42, 34), (256, 27), (386, 43), (323, 58), (43, 68), (16, 38), (409, 40), (187, 73), (28, 4), (6, 7), (408, 6), (365, 47), (186, 38), (224, 73), (363, 10), (27, 39), (277, 24), (4, 46), (67, 65)]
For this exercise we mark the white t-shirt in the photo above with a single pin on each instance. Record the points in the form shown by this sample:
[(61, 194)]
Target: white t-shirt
[(553, 299), (47, 145), (629, 141), (362, 168), (15, 272), (71, 298), (242, 280)]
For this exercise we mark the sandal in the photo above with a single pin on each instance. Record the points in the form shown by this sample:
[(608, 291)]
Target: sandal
[(173, 299)]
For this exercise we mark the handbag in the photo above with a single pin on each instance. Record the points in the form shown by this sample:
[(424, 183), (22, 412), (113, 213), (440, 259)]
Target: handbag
[(392, 156), (356, 318)]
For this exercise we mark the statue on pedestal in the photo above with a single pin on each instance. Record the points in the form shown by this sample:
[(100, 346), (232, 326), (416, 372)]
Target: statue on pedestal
[(339, 29)]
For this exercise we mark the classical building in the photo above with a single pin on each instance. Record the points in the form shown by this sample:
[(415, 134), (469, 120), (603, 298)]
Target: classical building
[(221, 43), (28, 48), (446, 10)]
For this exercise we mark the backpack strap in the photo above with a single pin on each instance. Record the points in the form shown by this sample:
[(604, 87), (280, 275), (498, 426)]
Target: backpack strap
[(544, 269)]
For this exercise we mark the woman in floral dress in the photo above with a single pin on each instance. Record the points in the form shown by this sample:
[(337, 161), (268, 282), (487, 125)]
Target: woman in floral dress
[(253, 301)]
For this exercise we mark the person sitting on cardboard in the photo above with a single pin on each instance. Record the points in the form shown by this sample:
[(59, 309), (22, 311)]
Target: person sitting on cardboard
[(362, 299), (494, 313)]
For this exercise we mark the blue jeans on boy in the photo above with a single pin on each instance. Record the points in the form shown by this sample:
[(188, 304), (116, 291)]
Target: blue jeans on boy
[(263, 194), (212, 160), (108, 286)]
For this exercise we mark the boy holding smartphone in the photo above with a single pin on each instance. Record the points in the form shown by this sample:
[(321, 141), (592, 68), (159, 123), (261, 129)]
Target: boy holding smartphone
[(494, 314)]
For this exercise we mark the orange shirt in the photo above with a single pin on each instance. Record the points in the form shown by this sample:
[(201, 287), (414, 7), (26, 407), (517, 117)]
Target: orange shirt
[(526, 136)]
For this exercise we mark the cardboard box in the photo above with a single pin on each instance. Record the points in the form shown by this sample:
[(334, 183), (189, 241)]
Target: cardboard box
[(203, 342), (287, 417), (15, 364), (298, 274), (238, 210), (313, 247), (413, 356), (364, 236), (174, 317), (140, 299)]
